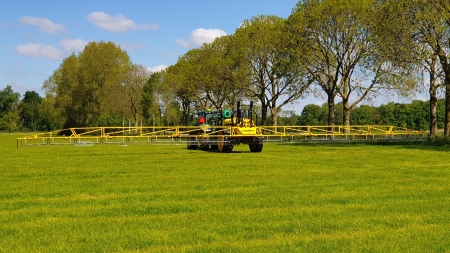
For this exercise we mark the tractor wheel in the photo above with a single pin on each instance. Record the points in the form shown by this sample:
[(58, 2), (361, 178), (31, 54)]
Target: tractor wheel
[(223, 144), (192, 143), (256, 147)]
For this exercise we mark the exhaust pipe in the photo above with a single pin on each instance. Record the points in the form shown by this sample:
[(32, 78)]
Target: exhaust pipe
[(250, 111), (239, 114)]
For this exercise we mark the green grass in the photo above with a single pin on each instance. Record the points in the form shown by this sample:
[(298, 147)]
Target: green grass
[(162, 198)]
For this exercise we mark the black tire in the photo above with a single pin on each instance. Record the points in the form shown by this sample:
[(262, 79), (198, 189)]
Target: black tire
[(256, 147), (228, 148), (191, 144), (223, 144)]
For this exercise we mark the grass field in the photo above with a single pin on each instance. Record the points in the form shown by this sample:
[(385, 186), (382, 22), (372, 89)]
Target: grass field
[(289, 198)]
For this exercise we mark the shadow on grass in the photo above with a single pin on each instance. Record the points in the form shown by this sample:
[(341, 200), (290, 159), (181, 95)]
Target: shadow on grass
[(217, 151), (425, 145)]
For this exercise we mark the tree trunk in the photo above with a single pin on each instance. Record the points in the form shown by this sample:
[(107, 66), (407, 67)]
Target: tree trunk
[(264, 108), (274, 116), (446, 67), (186, 112), (346, 115), (331, 118), (433, 107), (136, 122), (447, 105)]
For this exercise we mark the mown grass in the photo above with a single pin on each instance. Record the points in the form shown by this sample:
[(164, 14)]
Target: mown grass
[(161, 198)]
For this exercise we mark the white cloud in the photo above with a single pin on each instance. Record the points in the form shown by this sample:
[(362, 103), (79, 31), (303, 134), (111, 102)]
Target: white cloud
[(44, 24), (182, 43), (74, 45), (157, 68), (200, 36), (118, 23), (39, 50)]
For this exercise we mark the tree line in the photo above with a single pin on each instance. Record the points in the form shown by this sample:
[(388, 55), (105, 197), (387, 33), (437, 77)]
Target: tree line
[(31, 114), (347, 51), (414, 115)]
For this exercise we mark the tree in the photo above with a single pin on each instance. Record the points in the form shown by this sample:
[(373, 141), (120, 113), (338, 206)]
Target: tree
[(400, 33), (219, 72), (133, 82), (427, 22), (432, 20), (365, 115), (89, 85), (52, 116), (8, 100), (102, 67), (206, 77), (334, 40), (315, 47), (312, 115), (9, 114), (287, 118), (275, 79), (387, 114), (177, 86), (149, 103), (29, 110), (10, 121), (419, 115), (172, 114)]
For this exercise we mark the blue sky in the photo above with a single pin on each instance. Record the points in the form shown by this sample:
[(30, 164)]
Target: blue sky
[(38, 35)]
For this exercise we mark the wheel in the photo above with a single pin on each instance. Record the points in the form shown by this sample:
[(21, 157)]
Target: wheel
[(204, 144), (223, 144), (256, 145), (192, 143), (220, 143)]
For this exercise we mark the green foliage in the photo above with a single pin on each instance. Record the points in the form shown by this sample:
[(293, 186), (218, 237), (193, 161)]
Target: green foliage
[(276, 78), (51, 117), (414, 115), (8, 100), (91, 84), (10, 121), (30, 110), (9, 114), (312, 115), (110, 120), (159, 198), (151, 110), (365, 115), (172, 115)]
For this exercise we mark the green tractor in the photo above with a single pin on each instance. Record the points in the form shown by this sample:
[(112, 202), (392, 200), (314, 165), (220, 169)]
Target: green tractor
[(223, 129)]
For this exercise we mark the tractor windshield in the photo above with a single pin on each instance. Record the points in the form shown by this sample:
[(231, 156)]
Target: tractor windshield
[(208, 118)]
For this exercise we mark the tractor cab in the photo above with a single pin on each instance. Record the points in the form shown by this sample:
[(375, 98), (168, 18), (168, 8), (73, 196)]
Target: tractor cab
[(241, 117), (209, 118)]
